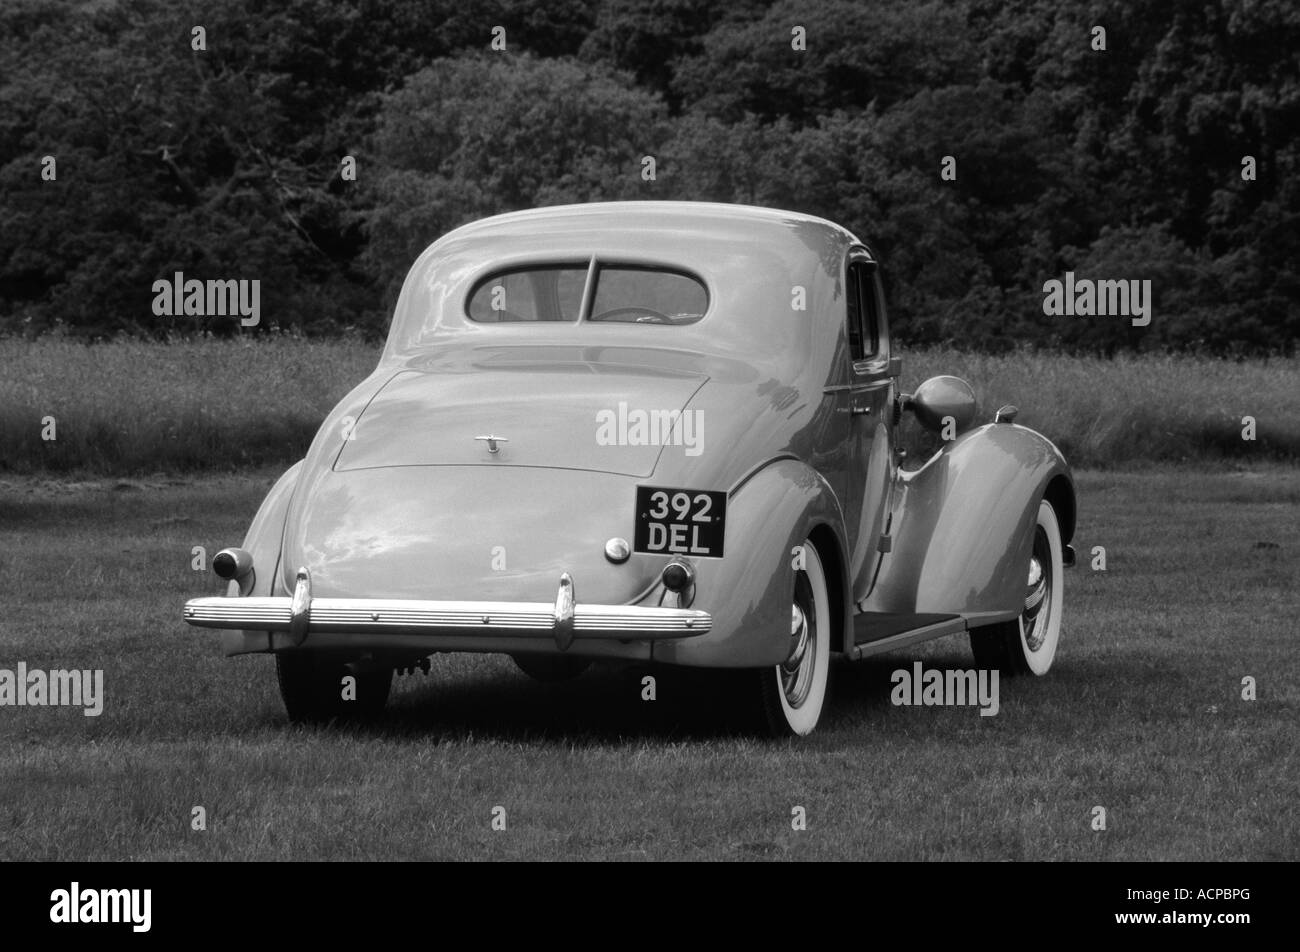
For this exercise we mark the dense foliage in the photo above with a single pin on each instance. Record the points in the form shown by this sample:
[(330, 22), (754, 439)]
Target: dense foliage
[(226, 162)]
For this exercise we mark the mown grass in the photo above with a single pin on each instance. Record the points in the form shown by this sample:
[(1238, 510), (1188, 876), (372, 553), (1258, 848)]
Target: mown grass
[(137, 407), (1142, 714)]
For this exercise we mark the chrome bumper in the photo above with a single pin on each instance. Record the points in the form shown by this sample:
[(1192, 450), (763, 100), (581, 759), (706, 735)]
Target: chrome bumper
[(301, 615)]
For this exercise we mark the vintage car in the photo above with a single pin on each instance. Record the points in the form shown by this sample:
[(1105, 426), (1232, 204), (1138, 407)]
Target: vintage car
[(650, 431)]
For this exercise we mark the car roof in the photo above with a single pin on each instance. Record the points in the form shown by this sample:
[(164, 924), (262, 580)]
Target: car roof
[(711, 239), (652, 227), (585, 216), (751, 259)]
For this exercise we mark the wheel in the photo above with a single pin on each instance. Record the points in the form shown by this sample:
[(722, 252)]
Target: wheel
[(311, 685), (793, 693), (1027, 645), (550, 668)]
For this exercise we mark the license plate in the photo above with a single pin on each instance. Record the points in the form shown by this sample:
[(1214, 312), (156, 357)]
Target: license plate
[(680, 521)]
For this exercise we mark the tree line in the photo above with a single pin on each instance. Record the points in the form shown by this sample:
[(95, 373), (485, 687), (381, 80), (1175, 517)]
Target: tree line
[(982, 148)]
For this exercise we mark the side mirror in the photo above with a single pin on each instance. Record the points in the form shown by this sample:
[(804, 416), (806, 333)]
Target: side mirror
[(942, 397)]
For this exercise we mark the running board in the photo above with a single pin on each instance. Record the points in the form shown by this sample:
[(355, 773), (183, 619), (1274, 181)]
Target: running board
[(869, 640)]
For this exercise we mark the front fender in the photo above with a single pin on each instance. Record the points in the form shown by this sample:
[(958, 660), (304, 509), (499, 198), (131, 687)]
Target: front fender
[(262, 542), (749, 591), (962, 525)]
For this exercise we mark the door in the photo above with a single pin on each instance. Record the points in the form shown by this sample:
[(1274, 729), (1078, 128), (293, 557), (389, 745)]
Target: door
[(872, 385)]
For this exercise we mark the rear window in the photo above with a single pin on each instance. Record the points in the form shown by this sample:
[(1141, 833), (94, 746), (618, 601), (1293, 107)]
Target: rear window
[(647, 296), (532, 294), (621, 294)]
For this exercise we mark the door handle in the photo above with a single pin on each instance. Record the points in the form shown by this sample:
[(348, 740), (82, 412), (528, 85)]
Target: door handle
[(861, 411)]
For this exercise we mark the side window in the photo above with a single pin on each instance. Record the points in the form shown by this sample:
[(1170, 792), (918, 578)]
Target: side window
[(864, 320), (870, 312), (853, 297)]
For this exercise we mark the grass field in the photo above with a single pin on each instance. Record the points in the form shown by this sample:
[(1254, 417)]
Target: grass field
[(1142, 714), (141, 408)]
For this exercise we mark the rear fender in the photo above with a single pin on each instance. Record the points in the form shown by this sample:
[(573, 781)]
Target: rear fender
[(262, 542), (749, 591), (961, 529)]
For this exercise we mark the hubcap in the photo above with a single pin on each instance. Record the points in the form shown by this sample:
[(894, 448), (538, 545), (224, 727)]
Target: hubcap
[(1038, 592), (797, 671), (798, 637)]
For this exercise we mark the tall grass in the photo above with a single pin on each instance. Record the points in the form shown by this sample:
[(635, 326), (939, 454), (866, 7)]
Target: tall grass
[(131, 407), (1104, 412), (137, 407)]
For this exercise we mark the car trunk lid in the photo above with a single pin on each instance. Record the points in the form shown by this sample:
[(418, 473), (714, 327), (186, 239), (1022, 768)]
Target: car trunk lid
[(581, 417)]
